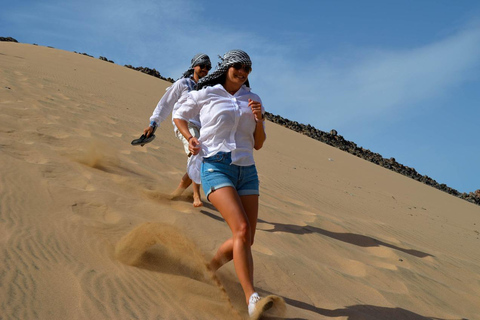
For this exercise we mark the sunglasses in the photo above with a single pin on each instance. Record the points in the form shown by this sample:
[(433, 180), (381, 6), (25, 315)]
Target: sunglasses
[(246, 68), (205, 66)]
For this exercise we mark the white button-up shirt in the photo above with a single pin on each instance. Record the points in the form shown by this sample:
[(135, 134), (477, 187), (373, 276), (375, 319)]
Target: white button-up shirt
[(173, 98), (227, 124)]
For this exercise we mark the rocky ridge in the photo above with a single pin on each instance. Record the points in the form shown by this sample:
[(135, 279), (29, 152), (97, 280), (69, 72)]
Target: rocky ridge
[(151, 72), (8, 39)]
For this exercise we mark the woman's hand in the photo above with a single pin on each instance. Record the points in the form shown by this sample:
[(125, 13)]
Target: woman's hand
[(256, 109), (259, 134), (194, 145)]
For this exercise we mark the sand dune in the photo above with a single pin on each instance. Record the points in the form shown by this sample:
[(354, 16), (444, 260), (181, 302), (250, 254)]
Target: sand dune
[(88, 231)]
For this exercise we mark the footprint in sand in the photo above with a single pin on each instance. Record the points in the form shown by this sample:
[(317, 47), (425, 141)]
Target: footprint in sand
[(64, 176), (83, 133), (52, 133), (52, 119), (94, 213), (21, 76), (23, 153), (116, 134)]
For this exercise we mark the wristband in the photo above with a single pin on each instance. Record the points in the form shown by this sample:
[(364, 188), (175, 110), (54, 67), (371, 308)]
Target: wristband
[(189, 138), (262, 119)]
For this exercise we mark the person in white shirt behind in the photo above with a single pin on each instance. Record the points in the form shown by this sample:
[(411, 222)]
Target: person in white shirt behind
[(170, 102), (232, 119)]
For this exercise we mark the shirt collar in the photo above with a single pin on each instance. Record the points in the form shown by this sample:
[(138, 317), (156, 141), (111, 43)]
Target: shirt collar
[(242, 91)]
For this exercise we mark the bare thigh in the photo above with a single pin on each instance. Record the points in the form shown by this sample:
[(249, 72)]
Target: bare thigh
[(230, 206), (250, 206)]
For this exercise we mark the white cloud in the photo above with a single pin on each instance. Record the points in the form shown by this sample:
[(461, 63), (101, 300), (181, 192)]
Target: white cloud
[(335, 91), (371, 83)]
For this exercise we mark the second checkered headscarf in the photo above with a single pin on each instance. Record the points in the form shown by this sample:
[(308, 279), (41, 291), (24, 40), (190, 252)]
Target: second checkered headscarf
[(199, 58), (228, 59)]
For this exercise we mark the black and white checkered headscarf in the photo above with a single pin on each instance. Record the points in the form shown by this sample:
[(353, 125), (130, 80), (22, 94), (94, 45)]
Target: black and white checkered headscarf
[(228, 59), (199, 58)]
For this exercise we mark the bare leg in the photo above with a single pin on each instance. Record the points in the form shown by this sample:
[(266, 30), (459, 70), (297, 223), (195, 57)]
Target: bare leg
[(184, 184), (225, 252), (197, 200), (250, 205), (227, 201)]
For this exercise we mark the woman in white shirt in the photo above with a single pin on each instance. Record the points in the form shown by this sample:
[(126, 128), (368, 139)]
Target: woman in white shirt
[(232, 126)]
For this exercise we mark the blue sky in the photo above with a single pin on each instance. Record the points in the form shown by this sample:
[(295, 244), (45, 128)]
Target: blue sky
[(401, 78)]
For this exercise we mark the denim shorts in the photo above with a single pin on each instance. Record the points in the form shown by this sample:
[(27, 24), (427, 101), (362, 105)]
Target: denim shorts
[(218, 172)]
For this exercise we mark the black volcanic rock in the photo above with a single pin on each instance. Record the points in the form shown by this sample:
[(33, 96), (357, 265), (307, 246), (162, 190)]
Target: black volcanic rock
[(151, 72), (8, 39), (84, 54), (105, 59)]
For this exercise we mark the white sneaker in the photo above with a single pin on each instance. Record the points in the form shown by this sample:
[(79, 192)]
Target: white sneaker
[(252, 302)]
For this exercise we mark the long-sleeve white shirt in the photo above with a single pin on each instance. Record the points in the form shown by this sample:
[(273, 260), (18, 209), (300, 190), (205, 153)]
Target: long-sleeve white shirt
[(228, 124), (176, 94)]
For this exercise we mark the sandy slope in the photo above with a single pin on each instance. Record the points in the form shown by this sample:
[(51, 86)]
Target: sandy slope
[(87, 230)]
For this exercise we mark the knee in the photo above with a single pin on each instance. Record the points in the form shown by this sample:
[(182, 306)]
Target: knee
[(244, 234)]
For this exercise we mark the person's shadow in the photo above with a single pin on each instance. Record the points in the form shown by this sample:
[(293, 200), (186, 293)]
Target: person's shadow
[(352, 238), (362, 312), (356, 312), (211, 215)]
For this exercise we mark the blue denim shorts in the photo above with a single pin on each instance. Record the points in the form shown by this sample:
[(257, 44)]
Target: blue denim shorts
[(218, 172)]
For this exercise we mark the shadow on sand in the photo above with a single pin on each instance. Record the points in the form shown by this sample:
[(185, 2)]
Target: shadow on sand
[(211, 215), (362, 312), (355, 312), (351, 238)]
